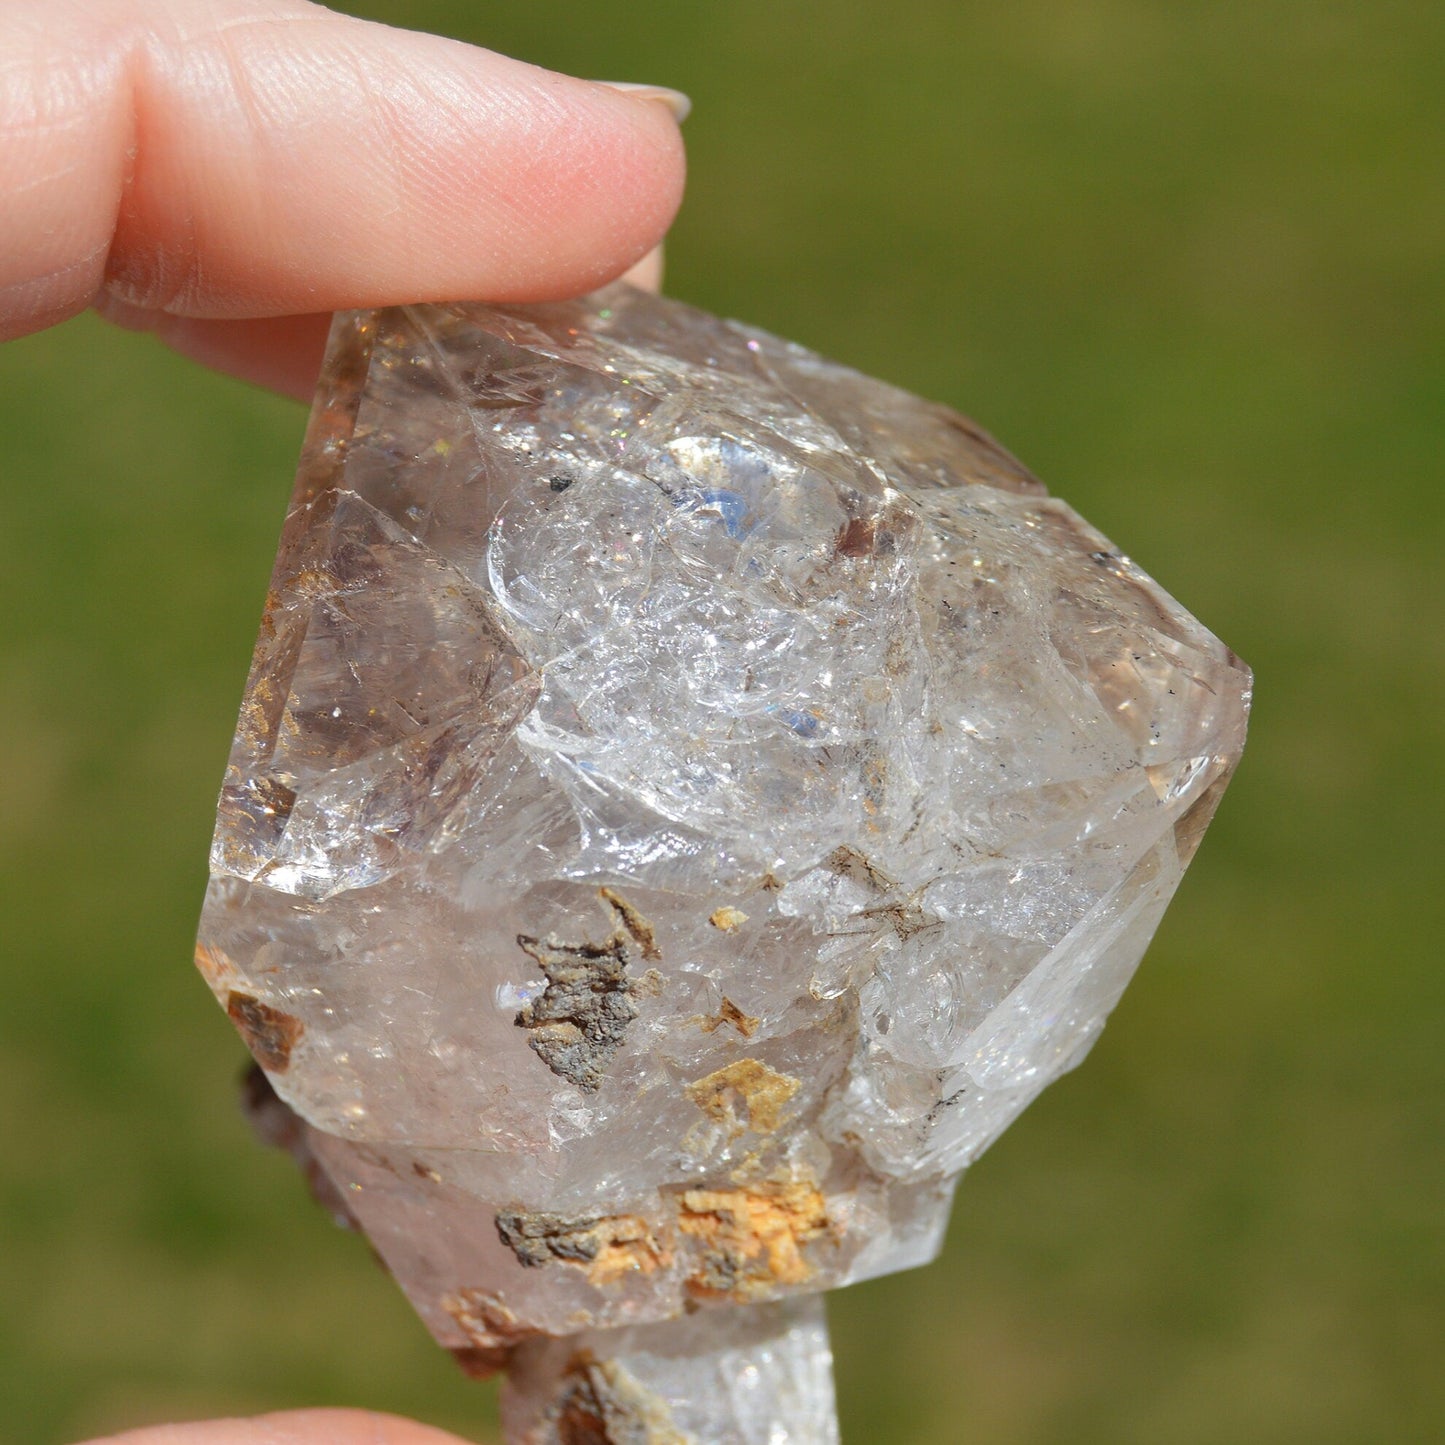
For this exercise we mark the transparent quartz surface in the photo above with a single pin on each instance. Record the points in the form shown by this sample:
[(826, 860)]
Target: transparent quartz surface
[(689, 797)]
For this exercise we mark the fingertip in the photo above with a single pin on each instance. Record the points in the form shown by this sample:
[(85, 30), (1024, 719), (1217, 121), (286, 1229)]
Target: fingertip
[(614, 173)]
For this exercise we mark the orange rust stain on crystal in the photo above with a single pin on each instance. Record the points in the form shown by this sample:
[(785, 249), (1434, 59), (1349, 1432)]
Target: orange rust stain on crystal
[(214, 966), (751, 1239), (627, 1247), (746, 1094), (727, 919)]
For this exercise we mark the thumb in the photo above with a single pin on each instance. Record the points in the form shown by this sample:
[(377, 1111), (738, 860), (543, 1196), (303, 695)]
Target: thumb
[(296, 1427)]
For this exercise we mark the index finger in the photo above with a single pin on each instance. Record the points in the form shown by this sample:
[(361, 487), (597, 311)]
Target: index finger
[(256, 158)]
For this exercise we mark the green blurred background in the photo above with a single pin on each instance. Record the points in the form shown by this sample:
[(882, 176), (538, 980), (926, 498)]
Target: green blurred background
[(1184, 258)]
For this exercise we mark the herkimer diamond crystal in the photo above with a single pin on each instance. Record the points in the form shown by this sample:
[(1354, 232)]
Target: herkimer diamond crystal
[(689, 798)]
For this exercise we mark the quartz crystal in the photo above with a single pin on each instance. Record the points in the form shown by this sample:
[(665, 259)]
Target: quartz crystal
[(689, 797)]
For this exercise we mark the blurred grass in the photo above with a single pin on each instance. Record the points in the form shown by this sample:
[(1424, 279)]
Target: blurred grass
[(1186, 259)]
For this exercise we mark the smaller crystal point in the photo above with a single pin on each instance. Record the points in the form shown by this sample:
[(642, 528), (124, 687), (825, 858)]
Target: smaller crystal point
[(760, 1375), (689, 798)]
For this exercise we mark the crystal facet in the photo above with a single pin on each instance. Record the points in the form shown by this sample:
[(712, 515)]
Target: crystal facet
[(689, 798)]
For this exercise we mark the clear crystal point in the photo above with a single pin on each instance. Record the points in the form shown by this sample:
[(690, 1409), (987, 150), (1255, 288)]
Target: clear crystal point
[(689, 798)]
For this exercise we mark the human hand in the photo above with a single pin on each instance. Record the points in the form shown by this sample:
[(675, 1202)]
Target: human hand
[(226, 173)]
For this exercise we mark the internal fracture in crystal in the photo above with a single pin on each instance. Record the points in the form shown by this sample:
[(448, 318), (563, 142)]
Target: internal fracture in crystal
[(689, 798)]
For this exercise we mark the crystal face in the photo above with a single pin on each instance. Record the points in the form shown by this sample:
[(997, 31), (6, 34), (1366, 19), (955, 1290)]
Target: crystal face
[(689, 797)]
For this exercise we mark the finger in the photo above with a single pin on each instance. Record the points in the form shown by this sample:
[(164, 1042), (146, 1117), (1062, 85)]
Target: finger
[(296, 1427), (243, 158), (282, 353)]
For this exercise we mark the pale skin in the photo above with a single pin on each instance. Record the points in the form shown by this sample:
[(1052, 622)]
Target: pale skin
[(226, 173)]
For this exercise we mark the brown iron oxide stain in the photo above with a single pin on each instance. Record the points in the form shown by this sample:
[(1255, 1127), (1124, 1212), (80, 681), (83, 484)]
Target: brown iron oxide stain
[(485, 1320), (271, 798), (640, 929), (848, 862), (578, 1021), (270, 1034), (477, 1363), (746, 1094), (855, 538), (751, 1239), (907, 918), (601, 1403), (606, 1247), (729, 1013)]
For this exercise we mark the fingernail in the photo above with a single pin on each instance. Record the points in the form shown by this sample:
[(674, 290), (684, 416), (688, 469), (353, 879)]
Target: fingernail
[(679, 104), (647, 273)]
